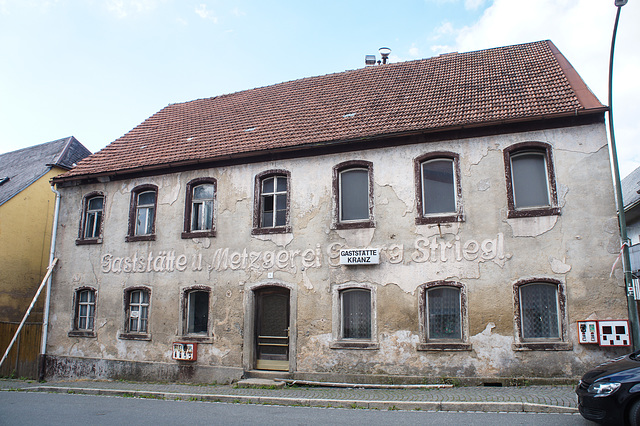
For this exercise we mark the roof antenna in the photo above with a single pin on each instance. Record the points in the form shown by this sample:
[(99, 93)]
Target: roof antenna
[(384, 52), (371, 59)]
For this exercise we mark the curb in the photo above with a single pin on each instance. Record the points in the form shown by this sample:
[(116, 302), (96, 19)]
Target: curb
[(482, 406)]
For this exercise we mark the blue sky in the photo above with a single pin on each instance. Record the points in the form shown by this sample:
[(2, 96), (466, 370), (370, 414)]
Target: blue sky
[(96, 69)]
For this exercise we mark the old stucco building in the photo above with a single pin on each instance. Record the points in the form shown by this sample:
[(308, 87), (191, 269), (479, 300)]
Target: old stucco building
[(447, 217)]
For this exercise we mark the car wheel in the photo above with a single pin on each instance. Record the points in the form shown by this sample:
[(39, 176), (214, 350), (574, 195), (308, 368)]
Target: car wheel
[(634, 414)]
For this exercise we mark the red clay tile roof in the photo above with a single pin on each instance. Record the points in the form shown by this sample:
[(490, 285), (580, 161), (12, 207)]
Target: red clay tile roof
[(506, 84)]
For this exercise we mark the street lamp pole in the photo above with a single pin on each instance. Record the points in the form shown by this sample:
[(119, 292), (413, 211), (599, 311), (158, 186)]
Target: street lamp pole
[(626, 263)]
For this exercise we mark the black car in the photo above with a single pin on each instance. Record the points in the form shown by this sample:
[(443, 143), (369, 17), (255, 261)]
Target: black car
[(610, 393)]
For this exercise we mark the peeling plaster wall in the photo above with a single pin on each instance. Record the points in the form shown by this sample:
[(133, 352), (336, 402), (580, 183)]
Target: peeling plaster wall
[(576, 248)]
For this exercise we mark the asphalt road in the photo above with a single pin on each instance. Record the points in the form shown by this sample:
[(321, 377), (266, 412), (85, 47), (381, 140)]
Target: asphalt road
[(35, 408)]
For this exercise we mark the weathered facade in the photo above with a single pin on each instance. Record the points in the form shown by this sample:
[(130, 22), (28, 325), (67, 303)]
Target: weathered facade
[(450, 217)]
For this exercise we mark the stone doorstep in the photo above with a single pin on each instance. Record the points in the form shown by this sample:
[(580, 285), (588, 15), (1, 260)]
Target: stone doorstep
[(481, 406)]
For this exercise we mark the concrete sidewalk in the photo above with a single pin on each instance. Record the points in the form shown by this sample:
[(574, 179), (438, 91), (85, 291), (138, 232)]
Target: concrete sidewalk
[(539, 399)]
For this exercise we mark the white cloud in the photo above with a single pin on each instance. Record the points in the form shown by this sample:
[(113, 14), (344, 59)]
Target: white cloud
[(446, 28), (473, 4), (202, 11), (125, 8), (237, 12), (414, 52)]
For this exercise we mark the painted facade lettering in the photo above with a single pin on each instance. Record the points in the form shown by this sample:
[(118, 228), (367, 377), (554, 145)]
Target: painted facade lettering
[(432, 249)]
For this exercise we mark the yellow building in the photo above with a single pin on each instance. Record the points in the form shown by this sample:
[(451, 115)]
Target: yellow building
[(26, 215)]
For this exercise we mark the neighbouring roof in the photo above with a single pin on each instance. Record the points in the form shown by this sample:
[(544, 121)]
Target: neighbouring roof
[(630, 188), (21, 168), (487, 87)]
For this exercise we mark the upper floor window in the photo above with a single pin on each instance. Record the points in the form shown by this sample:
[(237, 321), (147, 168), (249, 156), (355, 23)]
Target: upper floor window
[(84, 313), (136, 313), (199, 219), (531, 183), (540, 314), (271, 205), (438, 189), (443, 316), (353, 194), (142, 213), (91, 222)]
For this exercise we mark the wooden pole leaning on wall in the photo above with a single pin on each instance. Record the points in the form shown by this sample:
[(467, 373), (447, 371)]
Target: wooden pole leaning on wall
[(33, 302)]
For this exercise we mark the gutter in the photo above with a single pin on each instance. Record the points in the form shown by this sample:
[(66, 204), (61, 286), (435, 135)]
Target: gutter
[(47, 302)]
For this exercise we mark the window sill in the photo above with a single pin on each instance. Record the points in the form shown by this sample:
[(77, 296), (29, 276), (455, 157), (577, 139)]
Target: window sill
[(346, 344), (274, 230), (82, 333), (355, 225), (446, 218), (543, 346), (82, 242), (198, 234), (134, 336), (195, 339), (444, 346), (536, 212), (133, 238)]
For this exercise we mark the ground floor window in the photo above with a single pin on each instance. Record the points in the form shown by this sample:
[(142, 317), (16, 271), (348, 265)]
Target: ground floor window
[(197, 311), (443, 306), (539, 311), (354, 317), (540, 315), (442, 316), (356, 314), (84, 313)]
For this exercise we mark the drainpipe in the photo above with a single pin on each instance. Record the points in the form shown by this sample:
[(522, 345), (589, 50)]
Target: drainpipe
[(632, 308), (47, 301)]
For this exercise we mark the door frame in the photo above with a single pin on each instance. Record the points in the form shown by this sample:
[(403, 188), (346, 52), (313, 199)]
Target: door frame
[(249, 348)]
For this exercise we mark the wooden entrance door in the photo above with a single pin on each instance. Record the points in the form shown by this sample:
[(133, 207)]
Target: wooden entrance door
[(272, 329)]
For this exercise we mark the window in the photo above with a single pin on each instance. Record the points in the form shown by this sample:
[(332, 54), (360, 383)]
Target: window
[(136, 314), (438, 189), (353, 194), (443, 319), (356, 314), (442, 316), (540, 314), (142, 213), (84, 313), (200, 208), (196, 313), (91, 222), (354, 317), (271, 205), (531, 185)]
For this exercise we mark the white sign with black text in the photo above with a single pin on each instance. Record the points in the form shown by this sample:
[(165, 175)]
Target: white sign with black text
[(367, 256)]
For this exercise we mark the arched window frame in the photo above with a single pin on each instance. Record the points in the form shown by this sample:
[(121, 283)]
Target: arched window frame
[(560, 343), (455, 216), (546, 151), (78, 329), (338, 341), (427, 344), (85, 219), (127, 333), (133, 211), (339, 223), (188, 232), (186, 334), (258, 203)]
